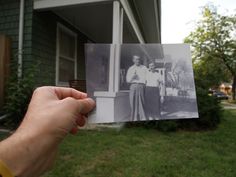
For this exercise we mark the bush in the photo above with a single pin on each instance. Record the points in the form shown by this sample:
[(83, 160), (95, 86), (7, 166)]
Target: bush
[(209, 110), (18, 94), (209, 116)]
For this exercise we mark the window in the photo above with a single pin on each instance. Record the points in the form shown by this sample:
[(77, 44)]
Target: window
[(66, 56)]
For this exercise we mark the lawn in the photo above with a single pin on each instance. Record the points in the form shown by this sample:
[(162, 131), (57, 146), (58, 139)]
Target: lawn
[(140, 152)]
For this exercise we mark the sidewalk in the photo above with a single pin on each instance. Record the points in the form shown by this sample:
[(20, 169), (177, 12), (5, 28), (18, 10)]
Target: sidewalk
[(227, 105)]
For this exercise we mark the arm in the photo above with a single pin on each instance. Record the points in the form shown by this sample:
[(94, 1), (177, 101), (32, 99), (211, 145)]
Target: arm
[(52, 113), (129, 76)]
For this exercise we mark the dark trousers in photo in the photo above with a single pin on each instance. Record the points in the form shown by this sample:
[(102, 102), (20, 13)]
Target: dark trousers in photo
[(152, 102), (137, 93)]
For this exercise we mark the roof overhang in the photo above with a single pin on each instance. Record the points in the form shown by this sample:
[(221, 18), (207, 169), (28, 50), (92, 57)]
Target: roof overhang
[(143, 15)]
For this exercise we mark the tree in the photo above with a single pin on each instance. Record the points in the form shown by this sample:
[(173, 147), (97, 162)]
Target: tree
[(213, 44)]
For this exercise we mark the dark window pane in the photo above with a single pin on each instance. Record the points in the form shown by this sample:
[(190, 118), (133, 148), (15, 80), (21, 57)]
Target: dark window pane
[(66, 70)]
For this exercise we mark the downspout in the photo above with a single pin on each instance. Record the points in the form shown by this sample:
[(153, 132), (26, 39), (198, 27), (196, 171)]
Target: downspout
[(20, 39)]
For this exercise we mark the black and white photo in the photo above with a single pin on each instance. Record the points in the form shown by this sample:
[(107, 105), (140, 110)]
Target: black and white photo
[(140, 82)]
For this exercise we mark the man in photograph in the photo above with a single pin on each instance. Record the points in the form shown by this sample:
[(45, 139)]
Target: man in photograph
[(136, 76)]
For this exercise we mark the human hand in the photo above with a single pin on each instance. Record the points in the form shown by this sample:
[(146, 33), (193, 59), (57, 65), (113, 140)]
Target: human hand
[(135, 76), (162, 99), (52, 113)]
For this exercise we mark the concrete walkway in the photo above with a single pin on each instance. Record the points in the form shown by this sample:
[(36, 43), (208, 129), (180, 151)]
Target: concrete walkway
[(227, 105)]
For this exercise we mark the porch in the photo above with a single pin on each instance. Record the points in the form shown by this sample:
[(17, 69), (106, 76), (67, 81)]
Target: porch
[(102, 21)]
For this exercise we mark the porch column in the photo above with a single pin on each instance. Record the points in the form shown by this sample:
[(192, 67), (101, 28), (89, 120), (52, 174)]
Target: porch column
[(115, 49), (118, 52), (113, 105)]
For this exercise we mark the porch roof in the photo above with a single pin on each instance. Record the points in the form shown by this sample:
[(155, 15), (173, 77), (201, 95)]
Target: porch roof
[(94, 18)]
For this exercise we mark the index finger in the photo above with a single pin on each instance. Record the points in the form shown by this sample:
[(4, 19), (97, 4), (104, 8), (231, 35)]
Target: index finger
[(62, 93)]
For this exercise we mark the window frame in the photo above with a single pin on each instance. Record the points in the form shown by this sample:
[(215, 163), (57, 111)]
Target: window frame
[(73, 34)]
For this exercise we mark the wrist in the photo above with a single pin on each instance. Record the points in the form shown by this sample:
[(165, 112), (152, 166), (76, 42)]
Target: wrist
[(10, 154), (19, 152)]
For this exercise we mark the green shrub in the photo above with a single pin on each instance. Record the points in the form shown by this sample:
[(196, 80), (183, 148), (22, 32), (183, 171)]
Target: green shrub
[(209, 110), (167, 125), (18, 94), (209, 116)]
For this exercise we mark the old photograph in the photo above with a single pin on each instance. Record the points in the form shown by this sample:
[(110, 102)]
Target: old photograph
[(143, 82)]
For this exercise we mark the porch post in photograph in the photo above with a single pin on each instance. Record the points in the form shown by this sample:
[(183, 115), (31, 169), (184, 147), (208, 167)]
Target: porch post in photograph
[(118, 52), (115, 101), (115, 40)]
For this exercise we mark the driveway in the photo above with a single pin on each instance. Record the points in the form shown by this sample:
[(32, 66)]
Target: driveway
[(227, 105)]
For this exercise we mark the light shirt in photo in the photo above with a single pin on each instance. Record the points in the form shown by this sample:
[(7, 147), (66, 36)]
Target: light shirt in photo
[(140, 71), (152, 79)]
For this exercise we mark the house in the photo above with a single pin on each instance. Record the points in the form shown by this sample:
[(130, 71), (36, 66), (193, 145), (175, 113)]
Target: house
[(53, 33)]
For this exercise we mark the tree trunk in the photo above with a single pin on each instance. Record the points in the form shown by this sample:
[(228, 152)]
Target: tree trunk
[(233, 87)]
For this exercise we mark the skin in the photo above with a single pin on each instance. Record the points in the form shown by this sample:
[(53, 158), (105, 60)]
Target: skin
[(52, 114), (136, 60), (152, 67)]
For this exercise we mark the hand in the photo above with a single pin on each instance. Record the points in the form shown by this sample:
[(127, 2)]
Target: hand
[(53, 113), (162, 99), (135, 77)]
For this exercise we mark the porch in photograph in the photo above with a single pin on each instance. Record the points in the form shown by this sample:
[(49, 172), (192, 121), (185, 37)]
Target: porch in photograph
[(53, 33)]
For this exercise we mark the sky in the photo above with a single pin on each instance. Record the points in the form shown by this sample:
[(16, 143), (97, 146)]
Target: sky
[(179, 16)]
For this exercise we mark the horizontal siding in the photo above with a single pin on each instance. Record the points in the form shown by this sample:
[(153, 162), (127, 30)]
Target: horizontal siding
[(9, 25), (9, 21), (39, 46)]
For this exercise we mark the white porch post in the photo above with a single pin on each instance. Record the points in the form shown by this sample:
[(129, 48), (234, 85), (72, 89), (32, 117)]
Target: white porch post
[(116, 23), (118, 52), (114, 53), (107, 109)]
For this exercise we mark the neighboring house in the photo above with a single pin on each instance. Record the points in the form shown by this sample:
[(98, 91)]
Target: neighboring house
[(53, 32)]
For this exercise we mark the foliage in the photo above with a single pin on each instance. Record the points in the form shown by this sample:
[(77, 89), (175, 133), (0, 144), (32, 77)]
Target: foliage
[(18, 93), (209, 109), (213, 45)]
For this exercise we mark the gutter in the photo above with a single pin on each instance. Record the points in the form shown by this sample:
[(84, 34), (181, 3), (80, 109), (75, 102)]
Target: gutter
[(20, 39)]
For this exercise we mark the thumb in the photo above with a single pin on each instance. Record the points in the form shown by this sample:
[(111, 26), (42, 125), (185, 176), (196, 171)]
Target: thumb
[(86, 105)]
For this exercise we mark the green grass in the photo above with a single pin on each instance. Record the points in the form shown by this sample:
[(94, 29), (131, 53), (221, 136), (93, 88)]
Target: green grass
[(140, 152)]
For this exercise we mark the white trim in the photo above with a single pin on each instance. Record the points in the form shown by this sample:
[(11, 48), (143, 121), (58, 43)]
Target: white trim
[(157, 20), (121, 24), (132, 20), (116, 23), (118, 51), (45, 4), (72, 33), (115, 40), (21, 38), (111, 68)]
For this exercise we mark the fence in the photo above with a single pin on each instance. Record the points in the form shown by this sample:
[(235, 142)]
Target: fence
[(5, 53)]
